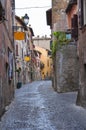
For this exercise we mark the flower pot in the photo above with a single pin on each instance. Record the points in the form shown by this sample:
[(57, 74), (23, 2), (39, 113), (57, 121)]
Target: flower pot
[(19, 84)]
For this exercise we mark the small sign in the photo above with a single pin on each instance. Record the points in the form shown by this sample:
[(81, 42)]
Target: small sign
[(27, 58), (19, 35), (68, 36)]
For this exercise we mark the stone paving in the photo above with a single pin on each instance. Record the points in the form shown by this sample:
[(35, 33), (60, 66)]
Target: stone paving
[(37, 106)]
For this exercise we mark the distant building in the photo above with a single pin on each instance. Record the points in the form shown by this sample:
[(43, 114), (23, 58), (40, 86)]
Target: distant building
[(43, 45), (42, 42), (45, 62)]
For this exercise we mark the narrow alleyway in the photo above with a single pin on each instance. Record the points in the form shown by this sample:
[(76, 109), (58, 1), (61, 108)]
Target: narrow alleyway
[(37, 107)]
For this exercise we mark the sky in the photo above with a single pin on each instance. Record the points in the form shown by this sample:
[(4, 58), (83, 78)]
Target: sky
[(37, 16)]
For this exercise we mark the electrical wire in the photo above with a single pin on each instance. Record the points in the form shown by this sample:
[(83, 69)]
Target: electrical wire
[(34, 7)]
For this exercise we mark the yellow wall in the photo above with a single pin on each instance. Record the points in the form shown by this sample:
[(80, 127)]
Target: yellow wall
[(46, 71)]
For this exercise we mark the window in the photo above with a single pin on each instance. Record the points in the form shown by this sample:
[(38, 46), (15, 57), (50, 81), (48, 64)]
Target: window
[(48, 63), (84, 12)]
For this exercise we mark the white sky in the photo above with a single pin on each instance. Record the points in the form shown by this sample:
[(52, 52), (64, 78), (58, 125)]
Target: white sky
[(37, 15)]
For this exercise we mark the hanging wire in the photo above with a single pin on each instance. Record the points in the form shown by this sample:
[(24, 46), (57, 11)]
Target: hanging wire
[(34, 7)]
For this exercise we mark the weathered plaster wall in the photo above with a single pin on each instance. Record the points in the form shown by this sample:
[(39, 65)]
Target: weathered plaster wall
[(81, 99), (67, 68)]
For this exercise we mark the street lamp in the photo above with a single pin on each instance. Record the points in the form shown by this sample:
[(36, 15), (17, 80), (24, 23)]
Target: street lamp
[(26, 19)]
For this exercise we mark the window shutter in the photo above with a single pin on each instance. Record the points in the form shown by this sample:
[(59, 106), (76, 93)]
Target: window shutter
[(80, 13), (74, 22), (16, 50), (74, 33)]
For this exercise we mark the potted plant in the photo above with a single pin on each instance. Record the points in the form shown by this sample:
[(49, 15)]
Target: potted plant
[(19, 83)]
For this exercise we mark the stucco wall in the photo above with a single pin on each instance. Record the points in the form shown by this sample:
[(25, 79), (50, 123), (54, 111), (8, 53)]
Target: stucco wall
[(6, 44), (81, 99), (42, 42)]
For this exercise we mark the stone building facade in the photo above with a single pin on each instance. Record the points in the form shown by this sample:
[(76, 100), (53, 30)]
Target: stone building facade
[(67, 68), (57, 7), (75, 8), (58, 15), (6, 54)]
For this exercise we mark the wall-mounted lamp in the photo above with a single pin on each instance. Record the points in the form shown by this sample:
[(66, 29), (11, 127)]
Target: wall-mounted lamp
[(68, 1), (26, 19)]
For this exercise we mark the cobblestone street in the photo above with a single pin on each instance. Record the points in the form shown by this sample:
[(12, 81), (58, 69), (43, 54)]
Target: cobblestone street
[(37, 106)]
